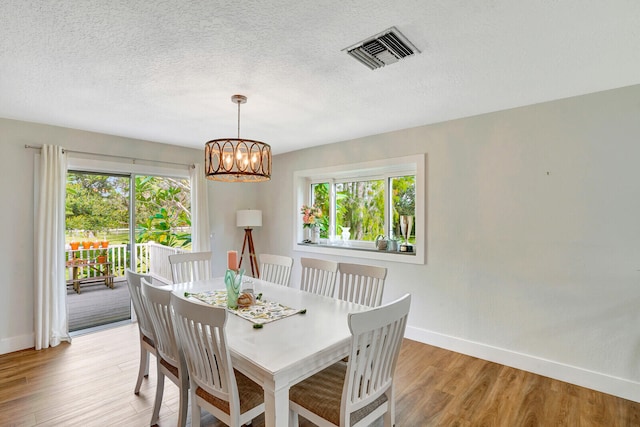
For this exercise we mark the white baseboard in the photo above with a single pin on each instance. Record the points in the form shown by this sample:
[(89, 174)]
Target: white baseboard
[(620, 387), (9, 345)]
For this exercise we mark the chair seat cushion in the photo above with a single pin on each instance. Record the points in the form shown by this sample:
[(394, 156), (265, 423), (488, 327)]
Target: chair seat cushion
[(148, 341), (322, 395), (250, 393), (171, 368)]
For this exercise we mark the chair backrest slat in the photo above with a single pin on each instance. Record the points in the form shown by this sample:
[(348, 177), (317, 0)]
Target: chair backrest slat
[(158, 303), (135, 290), (375, 347), (201, 329), (362, 284), (275, 268), (318, 276), (191, 266)]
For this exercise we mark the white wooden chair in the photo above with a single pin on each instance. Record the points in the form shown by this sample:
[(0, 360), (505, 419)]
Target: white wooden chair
[(362, 284), (318, 276), (216, 387), (275, 268), (190, 266), (147, 341), (358, 392), (170, 359)]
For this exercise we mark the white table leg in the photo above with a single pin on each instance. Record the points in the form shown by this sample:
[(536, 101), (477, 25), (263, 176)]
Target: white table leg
[(276, 405)]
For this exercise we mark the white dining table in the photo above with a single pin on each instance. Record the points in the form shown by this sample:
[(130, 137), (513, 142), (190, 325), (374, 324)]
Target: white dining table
[(285, 351)]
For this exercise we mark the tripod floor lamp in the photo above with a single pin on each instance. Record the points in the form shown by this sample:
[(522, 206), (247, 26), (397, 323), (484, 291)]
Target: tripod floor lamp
[(248, 219)]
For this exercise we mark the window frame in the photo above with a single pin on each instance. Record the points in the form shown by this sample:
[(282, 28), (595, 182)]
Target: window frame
[(379, 169)]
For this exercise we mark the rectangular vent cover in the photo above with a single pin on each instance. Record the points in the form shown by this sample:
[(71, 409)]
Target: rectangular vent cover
[(382, 49)]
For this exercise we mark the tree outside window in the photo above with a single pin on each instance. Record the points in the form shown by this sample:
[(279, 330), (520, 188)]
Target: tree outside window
[(360, 206), (403, 200)]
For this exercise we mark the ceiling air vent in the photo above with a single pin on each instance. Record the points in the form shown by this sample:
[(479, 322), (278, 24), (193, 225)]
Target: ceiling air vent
[(382, 49)]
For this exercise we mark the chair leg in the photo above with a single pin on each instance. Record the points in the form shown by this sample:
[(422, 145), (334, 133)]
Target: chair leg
[(143, 370), (293, 419), (184, 400), (195, 409), (389, 417), (146, 364), (159, 393)]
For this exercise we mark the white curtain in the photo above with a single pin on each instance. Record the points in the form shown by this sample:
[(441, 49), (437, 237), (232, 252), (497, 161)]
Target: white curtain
[(50, 310), (200, 230)]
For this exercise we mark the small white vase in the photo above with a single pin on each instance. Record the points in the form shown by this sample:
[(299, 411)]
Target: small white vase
[(345, 234), (315, 235)]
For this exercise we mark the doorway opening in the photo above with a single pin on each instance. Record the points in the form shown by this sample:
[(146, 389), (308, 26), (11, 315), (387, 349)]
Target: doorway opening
[(101, 243)]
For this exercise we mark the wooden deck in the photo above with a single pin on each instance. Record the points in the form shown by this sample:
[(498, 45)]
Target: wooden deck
[(98, 305)]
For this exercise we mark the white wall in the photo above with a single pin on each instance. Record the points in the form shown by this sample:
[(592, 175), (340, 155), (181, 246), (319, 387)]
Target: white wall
[(533, 224)]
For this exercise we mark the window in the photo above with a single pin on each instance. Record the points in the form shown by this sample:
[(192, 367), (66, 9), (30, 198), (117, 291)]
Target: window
[(362, 202), (403, 203)]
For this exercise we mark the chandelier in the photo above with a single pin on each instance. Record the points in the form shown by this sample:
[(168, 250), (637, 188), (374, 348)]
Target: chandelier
[(235, 159)]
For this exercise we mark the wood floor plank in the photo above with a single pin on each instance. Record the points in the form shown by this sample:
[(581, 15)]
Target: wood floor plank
[(90, 383)]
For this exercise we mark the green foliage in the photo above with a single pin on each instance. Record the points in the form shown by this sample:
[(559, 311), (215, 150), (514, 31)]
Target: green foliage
[(94, 202), (163, 206), (97, 203), (403, 199), (321, 200), (360, 206)]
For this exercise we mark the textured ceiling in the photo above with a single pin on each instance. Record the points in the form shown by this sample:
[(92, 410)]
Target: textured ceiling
[(165, 70)]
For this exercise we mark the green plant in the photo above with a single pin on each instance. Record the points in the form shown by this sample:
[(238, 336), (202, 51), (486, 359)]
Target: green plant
[(406, 202)]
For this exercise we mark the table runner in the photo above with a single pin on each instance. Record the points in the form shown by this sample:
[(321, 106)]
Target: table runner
[(260, 313)]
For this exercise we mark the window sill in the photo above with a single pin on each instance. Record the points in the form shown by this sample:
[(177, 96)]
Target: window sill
[(351, 250)]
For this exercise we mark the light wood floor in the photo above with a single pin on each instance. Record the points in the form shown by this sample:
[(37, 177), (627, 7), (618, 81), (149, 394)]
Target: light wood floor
[(90, 383)]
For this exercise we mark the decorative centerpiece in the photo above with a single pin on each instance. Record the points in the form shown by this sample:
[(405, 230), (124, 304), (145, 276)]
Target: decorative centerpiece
[(310, 226), (233, 282), (246, 300)]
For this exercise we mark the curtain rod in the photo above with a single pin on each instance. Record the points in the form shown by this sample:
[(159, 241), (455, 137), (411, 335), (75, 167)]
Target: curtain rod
[(133, 159)]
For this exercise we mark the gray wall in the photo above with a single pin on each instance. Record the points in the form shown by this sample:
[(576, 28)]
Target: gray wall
[(17, 216), (532, 223)]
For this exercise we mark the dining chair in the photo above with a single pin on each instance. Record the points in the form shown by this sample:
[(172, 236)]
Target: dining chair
[(170, 358), (275, 268), (145, 328), (362, 284), (190, 266), (318, 276), (360, 391), (216, 387)]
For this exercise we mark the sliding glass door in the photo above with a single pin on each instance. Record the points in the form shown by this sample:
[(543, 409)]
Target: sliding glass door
[(115, 222)]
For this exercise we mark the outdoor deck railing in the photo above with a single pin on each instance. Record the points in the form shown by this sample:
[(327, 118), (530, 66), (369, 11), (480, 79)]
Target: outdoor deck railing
[(152, 258)]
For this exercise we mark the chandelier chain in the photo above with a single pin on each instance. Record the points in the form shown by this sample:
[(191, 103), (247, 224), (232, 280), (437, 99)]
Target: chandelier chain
[(239, 119)]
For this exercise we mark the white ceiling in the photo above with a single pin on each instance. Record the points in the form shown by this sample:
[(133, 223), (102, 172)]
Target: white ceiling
[(165, 70)]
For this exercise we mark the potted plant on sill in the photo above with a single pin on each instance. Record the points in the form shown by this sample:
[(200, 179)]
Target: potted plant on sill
[(310, 216)]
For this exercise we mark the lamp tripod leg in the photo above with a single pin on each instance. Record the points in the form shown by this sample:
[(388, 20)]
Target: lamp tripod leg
[(244, 245), (252, 258), (248, 241)]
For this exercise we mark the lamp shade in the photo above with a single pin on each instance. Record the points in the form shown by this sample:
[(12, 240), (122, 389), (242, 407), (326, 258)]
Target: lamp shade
[(249, 218)]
